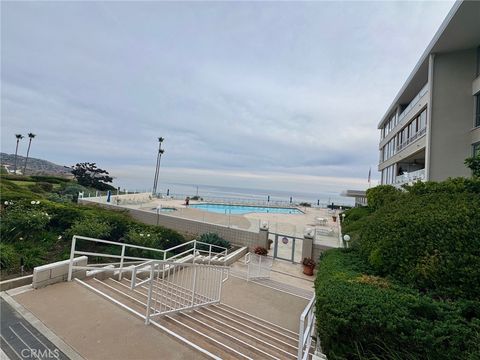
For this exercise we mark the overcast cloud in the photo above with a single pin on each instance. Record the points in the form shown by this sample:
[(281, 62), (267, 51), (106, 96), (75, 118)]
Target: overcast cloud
[(245, 93)]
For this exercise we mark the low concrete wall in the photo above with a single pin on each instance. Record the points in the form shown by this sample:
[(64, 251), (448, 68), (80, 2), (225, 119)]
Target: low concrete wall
[(194, 228), (318, 249), (57, 272), (16, 282)]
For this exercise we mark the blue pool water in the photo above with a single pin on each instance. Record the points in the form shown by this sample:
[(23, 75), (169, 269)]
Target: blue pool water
[(243, 209)]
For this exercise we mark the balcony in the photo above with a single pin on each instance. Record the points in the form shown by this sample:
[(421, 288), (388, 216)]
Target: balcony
[(410, 177), (410, 140), (412, 103)]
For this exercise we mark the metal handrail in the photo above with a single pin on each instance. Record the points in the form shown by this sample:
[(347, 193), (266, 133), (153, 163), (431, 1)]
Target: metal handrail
[(305, 334), (174, 287), (193, 251)]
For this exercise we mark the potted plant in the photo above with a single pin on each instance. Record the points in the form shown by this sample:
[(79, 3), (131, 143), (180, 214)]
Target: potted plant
[(259, 250), (308, 266)]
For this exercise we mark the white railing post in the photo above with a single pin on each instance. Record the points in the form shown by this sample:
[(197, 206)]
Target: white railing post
[(149, 299), (72, 254), (300, 339), (121, 263), (194, 250), (194, 284), (209, 253)]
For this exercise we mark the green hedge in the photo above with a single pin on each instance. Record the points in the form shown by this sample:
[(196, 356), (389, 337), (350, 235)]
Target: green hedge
[(429, 238), (362, 316)]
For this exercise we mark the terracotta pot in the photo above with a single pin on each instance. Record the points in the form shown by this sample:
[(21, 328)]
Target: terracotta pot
[(334, 218), (308, 270)]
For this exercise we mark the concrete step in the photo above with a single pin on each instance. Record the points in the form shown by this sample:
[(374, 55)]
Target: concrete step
[(252, 320), (219, 330), (266, 345)]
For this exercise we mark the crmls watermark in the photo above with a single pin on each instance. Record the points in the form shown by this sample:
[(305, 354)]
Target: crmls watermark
[(40, 354)]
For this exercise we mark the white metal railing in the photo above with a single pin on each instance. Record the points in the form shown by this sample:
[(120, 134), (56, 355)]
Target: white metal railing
[(117, 262), (414, 102), (410, 177), (173, 287), (259, 266), (412, 139), (306, 331)]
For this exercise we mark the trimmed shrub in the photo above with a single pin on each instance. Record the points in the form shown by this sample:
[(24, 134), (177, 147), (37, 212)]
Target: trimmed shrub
[(41, 187), (214, 239), (429, 241), (363, 316), (381, 195)]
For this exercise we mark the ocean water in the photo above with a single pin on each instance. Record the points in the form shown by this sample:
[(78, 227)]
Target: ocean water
[(244, 194)]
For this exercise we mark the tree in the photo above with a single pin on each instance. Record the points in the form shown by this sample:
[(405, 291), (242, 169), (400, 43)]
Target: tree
[(30, 137), (19, 137), (474, 164), (87, 174)]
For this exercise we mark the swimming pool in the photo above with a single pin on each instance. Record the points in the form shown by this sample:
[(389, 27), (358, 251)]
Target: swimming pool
[(244, 209)]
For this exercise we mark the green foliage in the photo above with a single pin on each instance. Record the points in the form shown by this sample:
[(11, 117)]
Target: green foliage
[(50, 179), (8, 256), (473, 163), (89, 175), (21, 221), (214, 239), (363, 316), (430, 241), (354, 220), (381, 195), (90, 227), (41, 187), (40, 233)]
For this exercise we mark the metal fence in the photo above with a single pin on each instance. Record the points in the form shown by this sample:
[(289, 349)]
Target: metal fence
[(174, 287), (259, 266)]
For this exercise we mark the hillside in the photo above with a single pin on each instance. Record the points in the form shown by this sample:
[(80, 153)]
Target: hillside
[(34, 166)]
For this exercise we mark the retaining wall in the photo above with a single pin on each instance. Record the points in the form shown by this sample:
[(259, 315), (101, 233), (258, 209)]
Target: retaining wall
[(193, 228)]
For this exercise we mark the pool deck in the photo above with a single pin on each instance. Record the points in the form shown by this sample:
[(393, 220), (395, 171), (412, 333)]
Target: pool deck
[(287, 224)]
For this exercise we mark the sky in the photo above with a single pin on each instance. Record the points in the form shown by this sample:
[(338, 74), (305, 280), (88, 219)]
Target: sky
[(273, 95)]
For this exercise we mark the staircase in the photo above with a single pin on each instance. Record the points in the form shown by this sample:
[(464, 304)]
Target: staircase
[(217, 331)]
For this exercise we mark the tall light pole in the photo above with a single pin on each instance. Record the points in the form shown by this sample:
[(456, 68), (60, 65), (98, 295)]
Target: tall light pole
[(157, 168)]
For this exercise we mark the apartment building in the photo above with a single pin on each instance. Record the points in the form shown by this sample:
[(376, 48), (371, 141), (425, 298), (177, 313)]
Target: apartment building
[(433, 124)]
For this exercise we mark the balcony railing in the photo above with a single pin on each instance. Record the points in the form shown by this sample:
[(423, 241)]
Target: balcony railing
[(410, 140), (410, 177), (414, 102)]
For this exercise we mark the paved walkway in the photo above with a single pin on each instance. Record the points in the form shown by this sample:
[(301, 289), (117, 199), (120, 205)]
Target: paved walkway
[(98, 329), (20, 340)]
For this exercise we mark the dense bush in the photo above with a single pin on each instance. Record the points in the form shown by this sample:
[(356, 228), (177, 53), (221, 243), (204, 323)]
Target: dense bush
[(363, 316), (41, 232), (381, 195), (429, 239), (90, 227), (214, 239), (8, 256), (40, 187), (20, 221)]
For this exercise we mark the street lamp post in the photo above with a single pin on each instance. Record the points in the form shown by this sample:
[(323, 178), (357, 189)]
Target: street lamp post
[(157, 168)]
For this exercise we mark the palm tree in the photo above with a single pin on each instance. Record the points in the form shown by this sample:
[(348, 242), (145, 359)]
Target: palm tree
[(19, 137), (30, 137)]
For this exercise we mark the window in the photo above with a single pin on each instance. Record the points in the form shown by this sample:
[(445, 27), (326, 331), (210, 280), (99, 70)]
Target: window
[(476, 149), (477, 110), (422, 120), (478, 61)]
